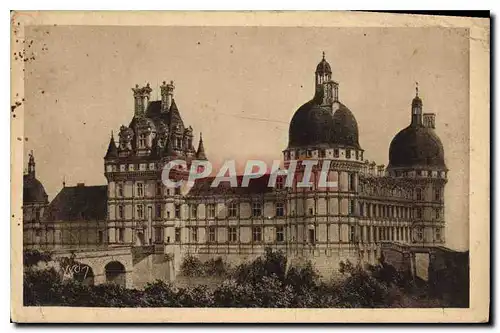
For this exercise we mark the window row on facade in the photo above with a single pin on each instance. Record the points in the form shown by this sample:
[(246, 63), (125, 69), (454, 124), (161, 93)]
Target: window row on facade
[(414, 194), (348, 154), (279, 234)]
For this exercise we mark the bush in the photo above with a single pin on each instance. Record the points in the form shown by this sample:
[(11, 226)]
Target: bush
[(33, 257), (273, 263), (264, 282), (191, 266)]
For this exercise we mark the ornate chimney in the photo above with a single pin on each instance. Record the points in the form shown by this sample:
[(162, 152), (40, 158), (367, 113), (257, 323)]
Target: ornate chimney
[(167, 95), (430, 120), (141, 98)]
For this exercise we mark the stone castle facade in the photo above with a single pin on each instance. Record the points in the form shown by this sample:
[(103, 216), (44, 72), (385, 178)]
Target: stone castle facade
[(403, 202)]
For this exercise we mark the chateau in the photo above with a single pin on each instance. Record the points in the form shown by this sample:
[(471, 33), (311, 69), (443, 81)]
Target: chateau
[(402, 203)]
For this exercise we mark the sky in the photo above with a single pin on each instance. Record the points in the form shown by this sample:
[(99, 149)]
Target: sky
[(240, 86)]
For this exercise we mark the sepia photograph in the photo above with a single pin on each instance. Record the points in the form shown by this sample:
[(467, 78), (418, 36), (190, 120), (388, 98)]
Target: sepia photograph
[(235, 166)]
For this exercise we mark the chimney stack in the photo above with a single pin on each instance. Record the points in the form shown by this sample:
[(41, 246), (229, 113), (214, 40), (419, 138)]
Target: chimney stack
[(167, 94), (430, 120), (381, 170), (141, 98)]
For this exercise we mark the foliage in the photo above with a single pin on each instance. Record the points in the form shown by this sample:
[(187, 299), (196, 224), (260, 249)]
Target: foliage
[(191, 266), (267, 282), (33, 257)]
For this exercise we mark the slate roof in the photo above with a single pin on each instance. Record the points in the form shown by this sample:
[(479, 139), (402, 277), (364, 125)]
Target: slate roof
[(78, 203), (256, 186)]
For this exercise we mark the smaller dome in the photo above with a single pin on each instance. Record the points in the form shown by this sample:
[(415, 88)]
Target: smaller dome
[(33, 190), (323, 66), (416, 146)]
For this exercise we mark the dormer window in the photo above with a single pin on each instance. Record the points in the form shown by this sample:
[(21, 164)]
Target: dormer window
[(142, 140), (279, 183)]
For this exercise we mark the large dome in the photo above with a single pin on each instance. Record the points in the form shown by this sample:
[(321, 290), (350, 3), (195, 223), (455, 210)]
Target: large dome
[(324, 121), (314, 125), (311, 125), (345, 131), (33, 190), (416, 146)]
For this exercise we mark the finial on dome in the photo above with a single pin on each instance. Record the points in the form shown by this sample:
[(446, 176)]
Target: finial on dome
[(323, 55), (416, 88)]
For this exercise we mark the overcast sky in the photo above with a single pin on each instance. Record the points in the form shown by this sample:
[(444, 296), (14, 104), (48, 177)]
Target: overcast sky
[(240, 87)]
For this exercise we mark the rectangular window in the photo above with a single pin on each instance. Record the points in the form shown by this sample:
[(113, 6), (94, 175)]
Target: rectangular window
[(177, 191), (347, 153), (257, 234), (351, 182), (159, 211), (121, 235), (438, 213), (37, 214), (419, 193), (194, 211), (280, 209), (211, 235), (159, 188), (232, 234), (437, 194), (352, 234), (177, 235), (119, 188), (194, 234), (352, 207), (438, 234), (120, 212), (336, 152), (280, 234), (140, 189), (322, 153), (357, 155), (233, 209), (100, 237), (140, 211), (420, 234), (256, 209), (312, 235), (177, 211), (211, 211), (158, 234), (419, 213)]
